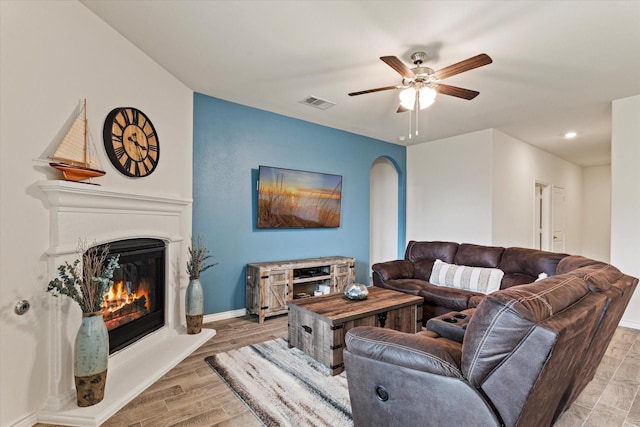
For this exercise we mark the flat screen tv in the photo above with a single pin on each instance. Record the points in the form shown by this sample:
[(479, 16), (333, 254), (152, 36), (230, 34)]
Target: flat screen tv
[(290, 198)]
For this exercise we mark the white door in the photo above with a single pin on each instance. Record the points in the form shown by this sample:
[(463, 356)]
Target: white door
[(558, 219), (542, 217), (537, 225)]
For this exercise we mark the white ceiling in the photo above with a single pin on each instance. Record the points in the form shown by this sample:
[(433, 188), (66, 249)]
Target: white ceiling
[(557, 65)]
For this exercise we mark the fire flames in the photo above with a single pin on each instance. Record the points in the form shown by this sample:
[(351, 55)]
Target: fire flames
[(122, 304)]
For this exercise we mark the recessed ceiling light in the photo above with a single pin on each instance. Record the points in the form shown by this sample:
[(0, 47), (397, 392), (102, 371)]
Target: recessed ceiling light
[(570, 135)]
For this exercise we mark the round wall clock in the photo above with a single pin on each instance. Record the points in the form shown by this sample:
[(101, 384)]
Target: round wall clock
[(131, 142)]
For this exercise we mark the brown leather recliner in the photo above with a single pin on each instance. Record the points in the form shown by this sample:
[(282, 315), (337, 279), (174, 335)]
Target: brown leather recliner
[(527, 353)]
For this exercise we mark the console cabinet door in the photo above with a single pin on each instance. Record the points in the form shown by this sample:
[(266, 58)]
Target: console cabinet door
[(276, 289), (343, 276), (252, 289)]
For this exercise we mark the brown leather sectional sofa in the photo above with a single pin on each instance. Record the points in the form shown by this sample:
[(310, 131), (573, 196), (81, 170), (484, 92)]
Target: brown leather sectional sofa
[(411, 275), (527, 351)]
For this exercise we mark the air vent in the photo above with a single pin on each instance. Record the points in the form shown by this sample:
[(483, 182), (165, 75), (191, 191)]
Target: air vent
[(319, 103)]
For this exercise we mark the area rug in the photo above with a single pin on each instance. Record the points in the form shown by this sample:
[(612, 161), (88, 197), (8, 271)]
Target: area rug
[(283, 386)]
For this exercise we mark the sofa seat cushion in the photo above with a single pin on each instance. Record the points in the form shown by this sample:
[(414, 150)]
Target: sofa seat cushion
[(475, 279), (408, 286), (453, 298), (474, 300), (413, 351)]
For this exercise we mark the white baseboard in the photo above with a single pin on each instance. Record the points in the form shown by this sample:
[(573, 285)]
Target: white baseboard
[(629, 324), (224, 315), (27, 421)]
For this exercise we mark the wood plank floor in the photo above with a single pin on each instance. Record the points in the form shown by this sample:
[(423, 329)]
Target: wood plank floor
[(191, 394)]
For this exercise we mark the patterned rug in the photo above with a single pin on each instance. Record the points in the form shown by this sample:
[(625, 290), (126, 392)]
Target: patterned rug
[(283, 386)]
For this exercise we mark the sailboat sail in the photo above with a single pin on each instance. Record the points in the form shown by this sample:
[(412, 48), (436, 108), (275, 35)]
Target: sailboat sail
[(76, 156)]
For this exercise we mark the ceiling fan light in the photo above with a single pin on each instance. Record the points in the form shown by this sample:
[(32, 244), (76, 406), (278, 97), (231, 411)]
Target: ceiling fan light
[(408, 98), (427, 97)]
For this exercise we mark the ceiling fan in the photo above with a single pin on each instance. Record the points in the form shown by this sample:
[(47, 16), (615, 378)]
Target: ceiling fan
[(420, 84)]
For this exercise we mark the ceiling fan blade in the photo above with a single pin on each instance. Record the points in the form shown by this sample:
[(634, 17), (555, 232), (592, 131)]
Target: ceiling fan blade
[(456, 91), (462, 66), (399, 66), (379, 89), (401, 109)]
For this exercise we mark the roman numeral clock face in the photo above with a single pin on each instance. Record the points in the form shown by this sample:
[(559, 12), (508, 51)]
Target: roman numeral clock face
[(131, 142)]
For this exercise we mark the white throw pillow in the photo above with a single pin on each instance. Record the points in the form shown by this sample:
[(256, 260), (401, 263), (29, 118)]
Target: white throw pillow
[(542, 276), (477, 279)]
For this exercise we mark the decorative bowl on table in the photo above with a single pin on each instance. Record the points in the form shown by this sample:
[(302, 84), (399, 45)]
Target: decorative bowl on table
[(356, 291)]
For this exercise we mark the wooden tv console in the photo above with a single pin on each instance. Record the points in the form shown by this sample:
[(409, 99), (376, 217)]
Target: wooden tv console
[(269, 285)]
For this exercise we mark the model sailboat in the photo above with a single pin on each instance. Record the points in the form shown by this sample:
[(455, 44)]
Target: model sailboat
[(76, 156)]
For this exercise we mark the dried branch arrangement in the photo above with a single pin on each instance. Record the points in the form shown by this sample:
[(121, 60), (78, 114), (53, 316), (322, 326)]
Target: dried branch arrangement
[(198, 254), (86, 284)]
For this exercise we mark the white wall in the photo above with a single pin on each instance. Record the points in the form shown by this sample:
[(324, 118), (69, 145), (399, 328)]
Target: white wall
[(53, 54), (449, 189), (596, 207), (516, 168), (479, 188), (625, 196), (384, 211)]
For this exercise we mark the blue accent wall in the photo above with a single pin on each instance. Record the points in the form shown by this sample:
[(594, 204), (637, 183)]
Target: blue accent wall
[(230, 141)]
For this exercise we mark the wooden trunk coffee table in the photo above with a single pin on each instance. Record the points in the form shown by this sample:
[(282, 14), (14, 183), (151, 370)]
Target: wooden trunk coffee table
[(318, 325)]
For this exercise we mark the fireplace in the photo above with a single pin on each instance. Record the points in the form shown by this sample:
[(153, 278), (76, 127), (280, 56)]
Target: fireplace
[(134, 306), (157, 224)]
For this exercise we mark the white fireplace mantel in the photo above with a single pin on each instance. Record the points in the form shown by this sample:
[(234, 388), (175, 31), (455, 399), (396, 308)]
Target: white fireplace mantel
[(100, 215), (127, 215)]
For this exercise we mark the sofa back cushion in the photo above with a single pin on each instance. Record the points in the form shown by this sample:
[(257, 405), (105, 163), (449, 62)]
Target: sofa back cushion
[(504, 318), (530, 384), (513, 279), (418, 251), (422, 269), (478, 255), (617, 297), (475, 279), (523, 265), (599, 274), (523, 346)]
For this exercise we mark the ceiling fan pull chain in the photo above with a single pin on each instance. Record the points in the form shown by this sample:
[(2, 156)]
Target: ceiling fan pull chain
[(409, 124), (417, 113)]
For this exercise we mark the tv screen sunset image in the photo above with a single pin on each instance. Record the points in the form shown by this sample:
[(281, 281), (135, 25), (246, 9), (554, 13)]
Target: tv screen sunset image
[(290, 198)]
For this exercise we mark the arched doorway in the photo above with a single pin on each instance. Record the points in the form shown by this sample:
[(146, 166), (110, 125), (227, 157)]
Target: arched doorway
[(383, 245)]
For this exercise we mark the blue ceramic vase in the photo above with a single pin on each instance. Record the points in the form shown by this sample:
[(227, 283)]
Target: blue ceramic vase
[(194, 306), (90, 359)]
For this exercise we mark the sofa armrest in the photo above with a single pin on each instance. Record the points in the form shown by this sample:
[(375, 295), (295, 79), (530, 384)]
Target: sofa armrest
[(414, 351), (398, 269)]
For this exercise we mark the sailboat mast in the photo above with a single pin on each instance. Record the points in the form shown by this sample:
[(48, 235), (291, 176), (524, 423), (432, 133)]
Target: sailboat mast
[(84, 107)]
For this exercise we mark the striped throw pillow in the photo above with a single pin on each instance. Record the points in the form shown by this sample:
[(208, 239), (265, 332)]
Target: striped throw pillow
[(476, 279)]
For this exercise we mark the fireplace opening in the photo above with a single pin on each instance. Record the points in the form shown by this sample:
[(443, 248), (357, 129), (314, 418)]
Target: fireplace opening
[(134, 306)]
